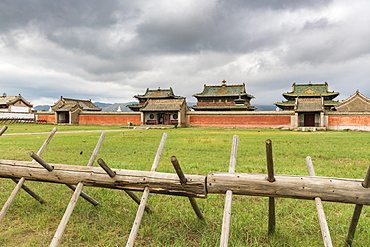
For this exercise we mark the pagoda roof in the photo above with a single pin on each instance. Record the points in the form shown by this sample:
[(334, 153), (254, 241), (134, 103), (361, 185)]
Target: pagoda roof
[(163, 105), (8, 100), (292, 103), (310, 90), (223, 90), (158, 93)]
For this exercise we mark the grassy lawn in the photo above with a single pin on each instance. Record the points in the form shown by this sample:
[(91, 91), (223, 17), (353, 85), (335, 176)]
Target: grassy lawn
[(173, 223)]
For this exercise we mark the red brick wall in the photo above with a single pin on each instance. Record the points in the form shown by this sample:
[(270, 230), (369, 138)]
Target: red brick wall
[(255, 121), (50, 118), (349, 120), (110, 119)]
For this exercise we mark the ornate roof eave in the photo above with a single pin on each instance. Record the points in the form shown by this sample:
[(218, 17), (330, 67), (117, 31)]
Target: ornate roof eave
[(284, 103), (223, 107), (227, 95), (291, 94), (13, 99), (356, 94)]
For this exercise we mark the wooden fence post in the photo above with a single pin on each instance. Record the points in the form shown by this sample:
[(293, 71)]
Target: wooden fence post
[(3, 129), (270, 178), (357, 212), (112, 174), (72, 203), (320, 210), (144, 198), (183, 180), (224, 241), (20, 182)]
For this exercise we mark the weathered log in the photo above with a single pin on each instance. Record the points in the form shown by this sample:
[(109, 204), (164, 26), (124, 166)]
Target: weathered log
[(290, 186), (160, 183)]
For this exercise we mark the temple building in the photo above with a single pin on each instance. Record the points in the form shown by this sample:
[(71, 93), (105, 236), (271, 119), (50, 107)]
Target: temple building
[(67, 110), (166, 112), (355, 103), (309, 102), (14, 104), (160, 94), (223, 98)]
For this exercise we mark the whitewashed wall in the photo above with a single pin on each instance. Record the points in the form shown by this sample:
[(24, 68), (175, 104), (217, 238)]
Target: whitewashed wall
[(16, 115)]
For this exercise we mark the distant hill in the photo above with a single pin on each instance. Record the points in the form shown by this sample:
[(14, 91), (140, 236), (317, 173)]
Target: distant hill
[(265, 107), (42, 108), (114, 107), (102, 105)]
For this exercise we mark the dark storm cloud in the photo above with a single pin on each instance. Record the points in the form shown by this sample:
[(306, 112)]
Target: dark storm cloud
[(54, 14)]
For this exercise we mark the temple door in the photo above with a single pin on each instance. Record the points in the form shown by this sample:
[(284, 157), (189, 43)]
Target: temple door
[(309, 120), (166, 119)]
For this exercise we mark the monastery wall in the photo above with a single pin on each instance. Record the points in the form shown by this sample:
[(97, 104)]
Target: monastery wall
[(110, 118), (242, 119), (251, 119), (45, 117), (348, 121), (103, 118)]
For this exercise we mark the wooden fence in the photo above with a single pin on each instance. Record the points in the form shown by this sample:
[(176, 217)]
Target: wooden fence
[(354, 191)]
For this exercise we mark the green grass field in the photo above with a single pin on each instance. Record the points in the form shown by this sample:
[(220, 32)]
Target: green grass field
[(173, 223)]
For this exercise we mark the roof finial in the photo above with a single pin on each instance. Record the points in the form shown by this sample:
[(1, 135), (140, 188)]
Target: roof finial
[(224, 82)]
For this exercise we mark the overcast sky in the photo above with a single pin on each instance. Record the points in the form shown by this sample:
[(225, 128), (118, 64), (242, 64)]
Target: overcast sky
[(108, 51)]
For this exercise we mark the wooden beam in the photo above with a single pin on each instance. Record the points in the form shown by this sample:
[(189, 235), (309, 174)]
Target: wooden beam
[(29, 191), (290, 186), (158, 182)]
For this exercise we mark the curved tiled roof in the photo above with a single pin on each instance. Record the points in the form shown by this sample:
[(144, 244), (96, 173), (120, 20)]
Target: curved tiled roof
[(356, 102), (310, 90), (158, 93), (223, 90), (7, 100), (163, 105), (66, 104)]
